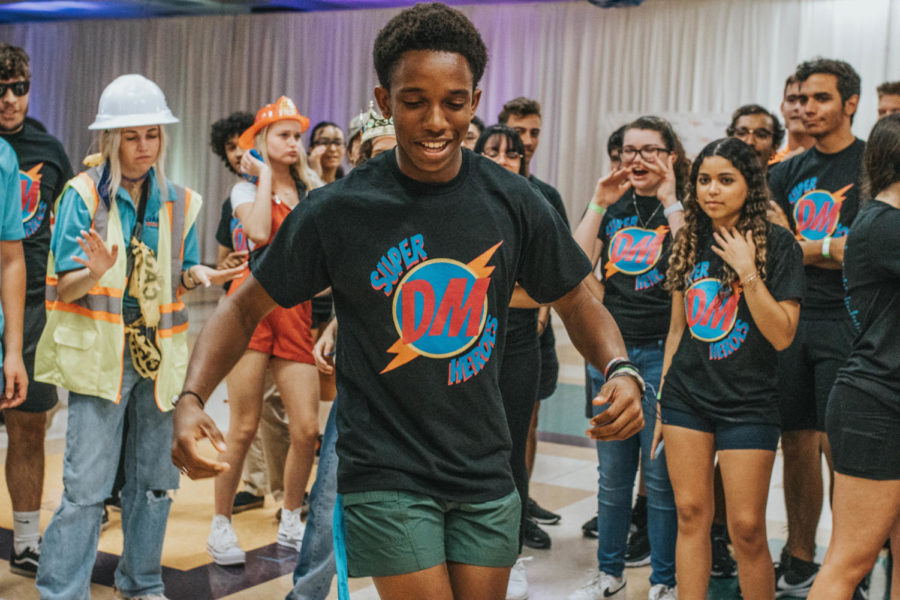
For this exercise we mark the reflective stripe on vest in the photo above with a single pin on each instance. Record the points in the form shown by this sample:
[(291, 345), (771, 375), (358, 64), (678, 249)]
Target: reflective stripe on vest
[(89, 332)]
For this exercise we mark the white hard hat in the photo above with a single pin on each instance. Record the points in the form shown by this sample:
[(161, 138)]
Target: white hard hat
[(132, 101)]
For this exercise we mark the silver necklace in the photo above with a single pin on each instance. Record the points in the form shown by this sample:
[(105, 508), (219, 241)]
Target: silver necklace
[(638, 212)]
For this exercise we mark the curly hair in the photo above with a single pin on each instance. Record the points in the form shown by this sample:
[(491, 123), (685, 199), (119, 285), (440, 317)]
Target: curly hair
[(756, 109), (673, 144), (225, 129), (13, 62), (698, 228), (513, 142), (434, 27), (881, 161)]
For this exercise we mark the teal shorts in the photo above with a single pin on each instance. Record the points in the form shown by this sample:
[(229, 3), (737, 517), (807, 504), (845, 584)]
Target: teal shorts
[(395, 532)]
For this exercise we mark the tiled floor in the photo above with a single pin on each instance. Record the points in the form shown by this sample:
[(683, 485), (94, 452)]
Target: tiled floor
[(564, 480)]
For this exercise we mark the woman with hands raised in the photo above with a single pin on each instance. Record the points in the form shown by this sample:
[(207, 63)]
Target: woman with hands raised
[(628, 228)]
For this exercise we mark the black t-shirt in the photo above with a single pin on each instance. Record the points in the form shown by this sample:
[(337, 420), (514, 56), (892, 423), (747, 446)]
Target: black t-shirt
[(872, 277), (548, 339), (44, 170), (421, 275), (820, 194), (724, 367), (230, 233), (521, 324), (636, 248)]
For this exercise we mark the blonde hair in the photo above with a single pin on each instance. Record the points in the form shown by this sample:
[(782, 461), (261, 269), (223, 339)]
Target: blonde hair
[(110, 141), (300, 170)]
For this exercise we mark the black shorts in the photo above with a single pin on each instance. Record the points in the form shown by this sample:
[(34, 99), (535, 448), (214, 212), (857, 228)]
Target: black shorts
[(41, 396), (549, 363), (863, 430), (806, 371)]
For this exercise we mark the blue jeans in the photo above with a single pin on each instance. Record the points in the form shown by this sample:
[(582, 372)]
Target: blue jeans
[(93, 444), (617, 466), (315, 567)]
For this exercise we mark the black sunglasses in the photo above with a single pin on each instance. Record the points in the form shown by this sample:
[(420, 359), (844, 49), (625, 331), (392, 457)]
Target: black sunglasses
[(19, 88)]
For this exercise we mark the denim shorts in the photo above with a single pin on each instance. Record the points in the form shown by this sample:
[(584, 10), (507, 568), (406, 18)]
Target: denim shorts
[(397, 532), (728, 436)]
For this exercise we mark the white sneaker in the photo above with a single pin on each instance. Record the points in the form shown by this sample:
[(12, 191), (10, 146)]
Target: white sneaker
[(601, 587), (290, 530), (222, 543), (517, 588), (662, 592)]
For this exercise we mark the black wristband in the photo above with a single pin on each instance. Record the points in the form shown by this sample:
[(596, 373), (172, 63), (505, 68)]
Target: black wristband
[(618, 365), (190, 393)]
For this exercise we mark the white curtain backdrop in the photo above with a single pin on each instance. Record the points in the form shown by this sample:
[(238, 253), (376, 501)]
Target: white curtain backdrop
[(585, 64)]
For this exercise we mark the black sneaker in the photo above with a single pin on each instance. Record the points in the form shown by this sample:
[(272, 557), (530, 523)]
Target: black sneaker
[(245, 501), (104, 520), (723, 565), (26, 562), (535, 537), (637, 554), (542, 515), (589, 529), (794, 577), (114, 503)]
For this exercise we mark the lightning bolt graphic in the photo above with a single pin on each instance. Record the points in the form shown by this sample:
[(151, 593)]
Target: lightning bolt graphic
[(35, 173), (839, 196), (403, 353)]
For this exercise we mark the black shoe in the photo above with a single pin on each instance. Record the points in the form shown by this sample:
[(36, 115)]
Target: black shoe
[(26, 562), (862, 590), (639, 513), (589, 529), (637, 554), (114, 503), (535, 537), (723, 565), (246, 501), (794, 577), (104, 521), (542, 515)]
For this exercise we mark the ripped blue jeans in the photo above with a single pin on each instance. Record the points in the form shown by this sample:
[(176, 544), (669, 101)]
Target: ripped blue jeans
[(93, 443)]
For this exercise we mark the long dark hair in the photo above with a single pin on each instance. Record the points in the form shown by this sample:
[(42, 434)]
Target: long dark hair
[(698, 226), (312, 141), (513, 142), (881, 161)]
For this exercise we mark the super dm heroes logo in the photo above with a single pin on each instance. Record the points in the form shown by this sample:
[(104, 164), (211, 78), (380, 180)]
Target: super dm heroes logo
[(635, 251), (33, 209), (439, 307), (712, 314), (817, 212)]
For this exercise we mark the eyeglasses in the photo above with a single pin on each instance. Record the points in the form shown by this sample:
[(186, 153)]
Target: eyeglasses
[(336, 142), (760, 134), (494, 153), (19, 88), (647, 152)]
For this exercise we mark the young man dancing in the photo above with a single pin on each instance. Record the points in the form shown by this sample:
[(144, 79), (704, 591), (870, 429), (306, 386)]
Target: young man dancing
[(422, 247)]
